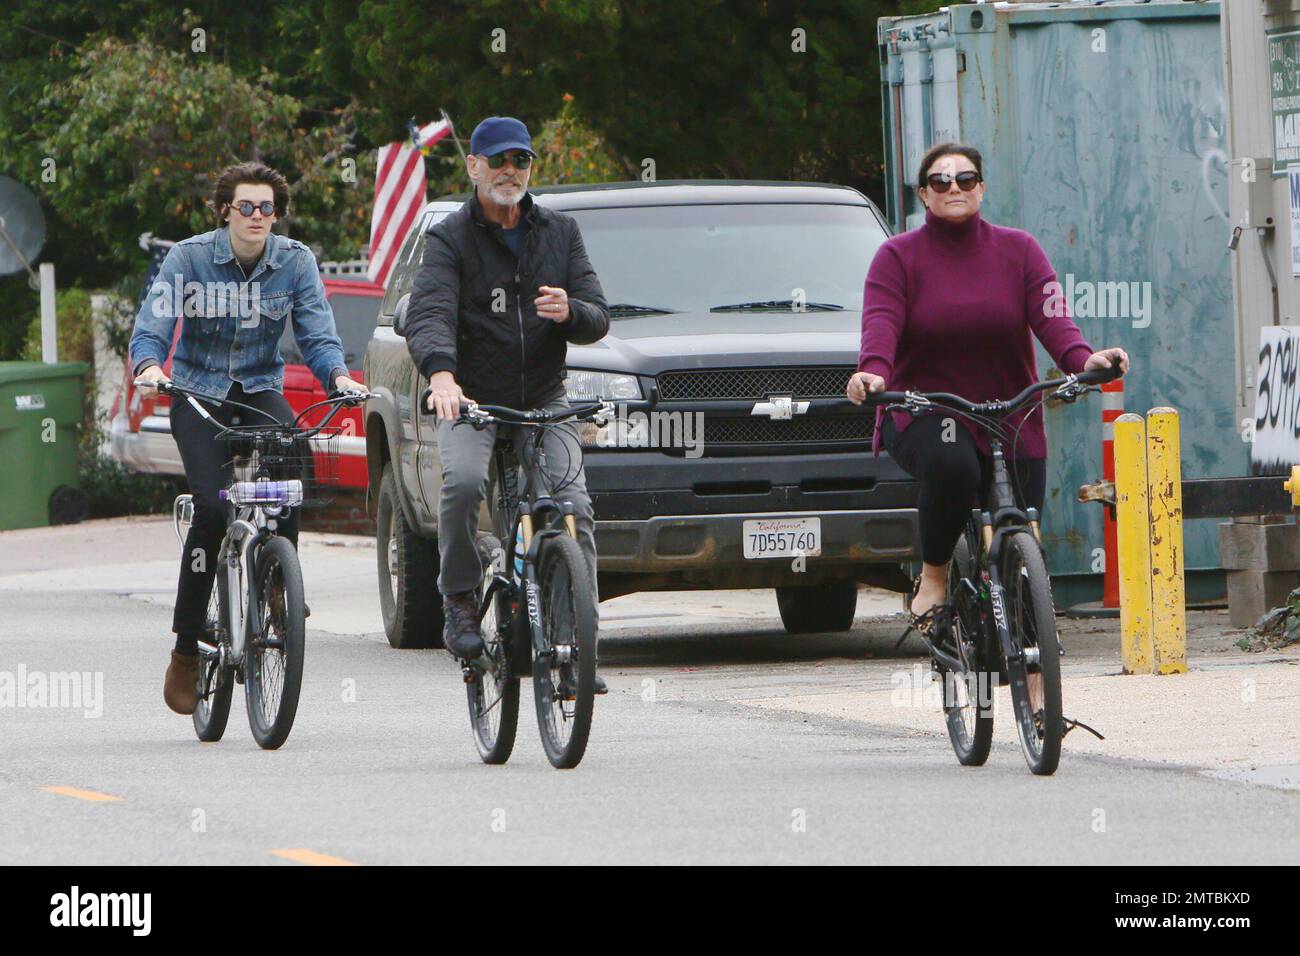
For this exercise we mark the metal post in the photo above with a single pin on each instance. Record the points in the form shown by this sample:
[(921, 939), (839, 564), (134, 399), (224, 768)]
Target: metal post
[(1164, 479), (49, 317), (1133, 544)]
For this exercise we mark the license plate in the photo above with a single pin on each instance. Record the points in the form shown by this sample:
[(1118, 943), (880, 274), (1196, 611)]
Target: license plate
[(782, 537)]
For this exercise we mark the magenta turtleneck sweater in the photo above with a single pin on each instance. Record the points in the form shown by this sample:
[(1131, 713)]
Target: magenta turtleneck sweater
[(949, 307)]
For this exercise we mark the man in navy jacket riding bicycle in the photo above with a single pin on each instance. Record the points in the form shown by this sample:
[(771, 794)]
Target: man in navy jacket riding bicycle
[(504, 286)]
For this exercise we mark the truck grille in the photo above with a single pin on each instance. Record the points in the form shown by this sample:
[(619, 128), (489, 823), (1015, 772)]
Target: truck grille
[(796, 431), (756, 384)]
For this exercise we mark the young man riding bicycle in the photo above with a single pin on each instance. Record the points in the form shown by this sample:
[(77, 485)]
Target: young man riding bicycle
[(233, 289), (505, 285)]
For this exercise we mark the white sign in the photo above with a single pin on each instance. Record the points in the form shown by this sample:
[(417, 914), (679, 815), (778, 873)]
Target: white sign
[(1293, 190), (1276, 444)]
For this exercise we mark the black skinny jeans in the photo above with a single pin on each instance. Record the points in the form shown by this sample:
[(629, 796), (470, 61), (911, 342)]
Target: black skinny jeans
[(955, 477), (207, 471)]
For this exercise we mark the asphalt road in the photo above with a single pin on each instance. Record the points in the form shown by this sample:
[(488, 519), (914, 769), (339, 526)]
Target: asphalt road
[(381, 766)]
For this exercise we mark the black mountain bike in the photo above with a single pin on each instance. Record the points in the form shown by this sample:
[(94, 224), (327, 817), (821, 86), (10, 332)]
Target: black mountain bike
[(536, 608), (998, 624), (255, 633)]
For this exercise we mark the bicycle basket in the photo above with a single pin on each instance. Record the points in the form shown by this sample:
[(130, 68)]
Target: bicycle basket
[(278, 467)]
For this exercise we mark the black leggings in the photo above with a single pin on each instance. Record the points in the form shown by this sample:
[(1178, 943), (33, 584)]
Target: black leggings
[(954, 478), (207, 472)]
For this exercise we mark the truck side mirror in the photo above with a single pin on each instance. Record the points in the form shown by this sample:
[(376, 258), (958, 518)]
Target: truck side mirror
[(399, 317)]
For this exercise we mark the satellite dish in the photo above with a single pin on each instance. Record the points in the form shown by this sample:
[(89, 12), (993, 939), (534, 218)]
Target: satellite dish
[(22, 228)]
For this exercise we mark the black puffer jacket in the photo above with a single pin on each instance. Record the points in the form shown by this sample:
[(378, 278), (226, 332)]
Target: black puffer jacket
[(508, 355)]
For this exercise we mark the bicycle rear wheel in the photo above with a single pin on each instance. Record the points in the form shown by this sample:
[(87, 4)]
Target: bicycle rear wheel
[(1036, 676), (216, 683), (494, 697), (564, 671), (273, 658), (968, 696)]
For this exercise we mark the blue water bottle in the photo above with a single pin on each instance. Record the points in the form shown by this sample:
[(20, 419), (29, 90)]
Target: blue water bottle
[(519, 549)]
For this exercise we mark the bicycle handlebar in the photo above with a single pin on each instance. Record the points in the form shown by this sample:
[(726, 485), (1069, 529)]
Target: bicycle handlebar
[(336, 401), (474, 413), (1070, 386)]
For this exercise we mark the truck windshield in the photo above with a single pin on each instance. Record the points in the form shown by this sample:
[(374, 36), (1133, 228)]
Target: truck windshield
[(694, 258)]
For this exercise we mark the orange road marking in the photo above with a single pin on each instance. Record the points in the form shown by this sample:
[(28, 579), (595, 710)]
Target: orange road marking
[(311, 857), (91, 795)]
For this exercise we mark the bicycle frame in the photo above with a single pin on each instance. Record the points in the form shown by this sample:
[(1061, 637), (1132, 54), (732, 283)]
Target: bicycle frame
[(524, 511)]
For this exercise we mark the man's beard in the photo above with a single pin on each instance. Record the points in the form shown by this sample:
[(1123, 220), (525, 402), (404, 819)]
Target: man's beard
[(500, 199)]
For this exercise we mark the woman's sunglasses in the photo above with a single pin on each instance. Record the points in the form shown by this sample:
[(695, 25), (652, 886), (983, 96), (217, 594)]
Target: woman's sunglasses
[(518, 160), (966, 181), (246, 208)]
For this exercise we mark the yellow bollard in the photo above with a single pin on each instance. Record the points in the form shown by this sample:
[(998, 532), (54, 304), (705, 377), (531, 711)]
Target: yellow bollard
[(1132, 526), (1165, 501)]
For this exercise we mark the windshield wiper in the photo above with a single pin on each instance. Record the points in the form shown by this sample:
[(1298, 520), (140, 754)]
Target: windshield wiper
[(778, 304), (639, 309)]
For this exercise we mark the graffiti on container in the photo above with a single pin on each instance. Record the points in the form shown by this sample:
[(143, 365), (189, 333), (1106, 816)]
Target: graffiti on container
[(1276, 445)]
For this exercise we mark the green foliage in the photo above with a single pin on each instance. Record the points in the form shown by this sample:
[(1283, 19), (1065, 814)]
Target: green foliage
[(76, 336), (142, 130), (569, 151), (113, 490)]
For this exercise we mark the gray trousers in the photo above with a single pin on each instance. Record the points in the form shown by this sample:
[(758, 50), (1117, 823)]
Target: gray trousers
[(466, 456)]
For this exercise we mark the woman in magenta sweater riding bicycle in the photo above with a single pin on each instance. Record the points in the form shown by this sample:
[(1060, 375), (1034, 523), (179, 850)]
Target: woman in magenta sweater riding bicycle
[(949, 307)]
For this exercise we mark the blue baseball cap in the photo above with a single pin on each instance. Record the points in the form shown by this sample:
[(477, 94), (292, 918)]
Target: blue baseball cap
[(496, 134)]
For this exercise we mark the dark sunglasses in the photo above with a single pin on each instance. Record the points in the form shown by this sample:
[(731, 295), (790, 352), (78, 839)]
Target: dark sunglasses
[(966, 181), (518, 160), (246, 208)]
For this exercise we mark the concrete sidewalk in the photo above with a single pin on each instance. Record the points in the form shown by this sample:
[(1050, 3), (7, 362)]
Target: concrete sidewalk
[(1233, 714)]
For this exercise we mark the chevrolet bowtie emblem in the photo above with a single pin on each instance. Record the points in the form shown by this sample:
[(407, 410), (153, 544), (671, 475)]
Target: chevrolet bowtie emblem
[(779, 407)]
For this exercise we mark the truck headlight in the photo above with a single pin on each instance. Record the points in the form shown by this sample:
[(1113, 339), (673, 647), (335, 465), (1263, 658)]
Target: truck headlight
[(584, 386)]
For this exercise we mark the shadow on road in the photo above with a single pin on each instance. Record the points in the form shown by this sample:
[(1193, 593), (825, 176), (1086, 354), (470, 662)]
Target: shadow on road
[(751, 644)]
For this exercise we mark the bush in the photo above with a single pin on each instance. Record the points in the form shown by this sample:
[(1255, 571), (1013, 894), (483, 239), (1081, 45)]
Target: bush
[(113, 490), (76, 331)]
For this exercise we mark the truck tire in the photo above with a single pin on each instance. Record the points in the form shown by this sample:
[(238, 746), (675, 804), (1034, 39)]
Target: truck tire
[(408, 574), (820, 608)]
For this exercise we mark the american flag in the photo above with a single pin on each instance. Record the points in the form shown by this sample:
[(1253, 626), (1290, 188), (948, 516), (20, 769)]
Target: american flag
[(399, 195)]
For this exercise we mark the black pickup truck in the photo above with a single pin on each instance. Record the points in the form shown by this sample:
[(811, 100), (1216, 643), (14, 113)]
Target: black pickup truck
[(733, 305)]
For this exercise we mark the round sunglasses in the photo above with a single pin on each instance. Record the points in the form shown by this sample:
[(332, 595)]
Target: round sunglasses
[(965, 181), (246, 208)]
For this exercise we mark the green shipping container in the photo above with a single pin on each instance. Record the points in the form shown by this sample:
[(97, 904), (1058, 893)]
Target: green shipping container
[(1103, 133), (40, 424)]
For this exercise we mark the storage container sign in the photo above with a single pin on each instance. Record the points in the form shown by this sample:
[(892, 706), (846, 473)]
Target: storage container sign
[(1284, 89), (1276, 445), (29, 403)]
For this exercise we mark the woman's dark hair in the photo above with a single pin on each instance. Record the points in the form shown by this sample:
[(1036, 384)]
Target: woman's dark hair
[(223, 192), (948, 149)]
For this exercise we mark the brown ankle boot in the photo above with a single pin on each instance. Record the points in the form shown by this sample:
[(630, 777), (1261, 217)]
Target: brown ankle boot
[(180, 686)]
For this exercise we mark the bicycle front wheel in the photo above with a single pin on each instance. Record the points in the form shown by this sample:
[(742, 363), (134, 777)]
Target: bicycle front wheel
[(968, 696), (1036, 675), (494, 695), (277, 640), (216, 683), (564, 669)]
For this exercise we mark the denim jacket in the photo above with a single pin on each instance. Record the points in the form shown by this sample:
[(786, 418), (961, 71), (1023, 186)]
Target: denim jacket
[(232, 324)]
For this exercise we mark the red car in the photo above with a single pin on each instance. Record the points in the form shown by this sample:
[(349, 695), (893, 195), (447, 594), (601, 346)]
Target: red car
[(140, 430)]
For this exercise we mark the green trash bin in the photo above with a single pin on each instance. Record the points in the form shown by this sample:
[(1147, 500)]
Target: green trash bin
[(40, 438)]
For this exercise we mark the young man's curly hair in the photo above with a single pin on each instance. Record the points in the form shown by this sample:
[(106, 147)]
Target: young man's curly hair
[(223, 192)]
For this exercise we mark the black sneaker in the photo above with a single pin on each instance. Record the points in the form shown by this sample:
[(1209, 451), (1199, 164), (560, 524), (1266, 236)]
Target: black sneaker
[(460, 631)]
